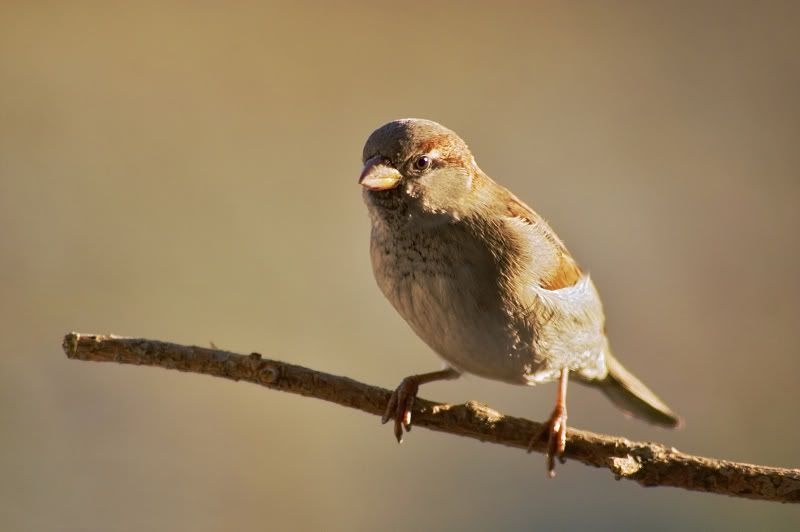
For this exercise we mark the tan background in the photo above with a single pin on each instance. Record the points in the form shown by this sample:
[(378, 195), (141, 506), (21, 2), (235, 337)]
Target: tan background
[(187, 171)]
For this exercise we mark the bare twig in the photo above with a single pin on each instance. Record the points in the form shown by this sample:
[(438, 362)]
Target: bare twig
[(650, 464)]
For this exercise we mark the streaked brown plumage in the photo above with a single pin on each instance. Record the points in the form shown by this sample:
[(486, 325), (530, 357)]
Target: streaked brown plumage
[(483, 279)]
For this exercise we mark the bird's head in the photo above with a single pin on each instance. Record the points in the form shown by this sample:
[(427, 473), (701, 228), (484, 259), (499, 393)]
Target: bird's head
[(418, 163)]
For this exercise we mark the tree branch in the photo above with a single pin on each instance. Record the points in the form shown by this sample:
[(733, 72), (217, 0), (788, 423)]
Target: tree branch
[(649, 464)]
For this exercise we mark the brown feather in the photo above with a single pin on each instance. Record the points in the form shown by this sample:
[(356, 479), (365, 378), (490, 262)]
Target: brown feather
[(565, 271), (567, 274)]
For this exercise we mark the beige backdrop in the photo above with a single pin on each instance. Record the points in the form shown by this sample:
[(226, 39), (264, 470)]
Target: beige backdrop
[(187, 171)]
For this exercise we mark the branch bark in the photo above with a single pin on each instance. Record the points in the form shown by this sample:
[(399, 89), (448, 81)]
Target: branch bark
[(650, 464)]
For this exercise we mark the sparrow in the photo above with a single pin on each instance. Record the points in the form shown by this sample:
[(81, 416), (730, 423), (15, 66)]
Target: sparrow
[(484, 281)]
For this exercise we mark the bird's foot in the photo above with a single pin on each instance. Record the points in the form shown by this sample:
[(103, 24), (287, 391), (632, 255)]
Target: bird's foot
[(556, 428), (399, 407)]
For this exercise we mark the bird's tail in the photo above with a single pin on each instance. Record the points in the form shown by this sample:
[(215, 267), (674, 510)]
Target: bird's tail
[(632, 396)]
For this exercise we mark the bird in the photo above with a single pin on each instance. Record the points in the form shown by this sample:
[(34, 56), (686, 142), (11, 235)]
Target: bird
[(484, 281)]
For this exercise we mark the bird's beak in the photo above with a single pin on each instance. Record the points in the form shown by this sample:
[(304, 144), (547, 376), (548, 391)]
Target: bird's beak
[(377, 175)]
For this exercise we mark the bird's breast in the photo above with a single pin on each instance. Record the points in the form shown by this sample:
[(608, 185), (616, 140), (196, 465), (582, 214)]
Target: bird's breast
[(449, 289)]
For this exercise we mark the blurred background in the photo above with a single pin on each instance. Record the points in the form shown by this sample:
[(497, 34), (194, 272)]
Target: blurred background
[(187, 172)]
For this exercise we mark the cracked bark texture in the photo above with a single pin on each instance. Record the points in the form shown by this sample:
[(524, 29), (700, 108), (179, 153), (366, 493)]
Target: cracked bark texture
[(649, 464)]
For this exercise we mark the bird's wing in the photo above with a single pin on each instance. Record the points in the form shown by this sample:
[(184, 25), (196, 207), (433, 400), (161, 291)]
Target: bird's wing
[(561, 302), (556, 267)]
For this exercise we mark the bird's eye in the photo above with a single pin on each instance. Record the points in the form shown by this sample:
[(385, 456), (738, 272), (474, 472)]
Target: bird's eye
[(422, 162)]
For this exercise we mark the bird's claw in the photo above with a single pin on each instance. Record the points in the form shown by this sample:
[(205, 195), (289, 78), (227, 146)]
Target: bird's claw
[(556, 428), (399, 407)]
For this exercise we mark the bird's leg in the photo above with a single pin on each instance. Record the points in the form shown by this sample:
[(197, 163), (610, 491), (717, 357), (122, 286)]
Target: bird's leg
[(402, 400), (556, 427)]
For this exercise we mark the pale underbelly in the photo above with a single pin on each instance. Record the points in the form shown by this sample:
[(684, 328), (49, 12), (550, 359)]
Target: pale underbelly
[(469, 334)]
